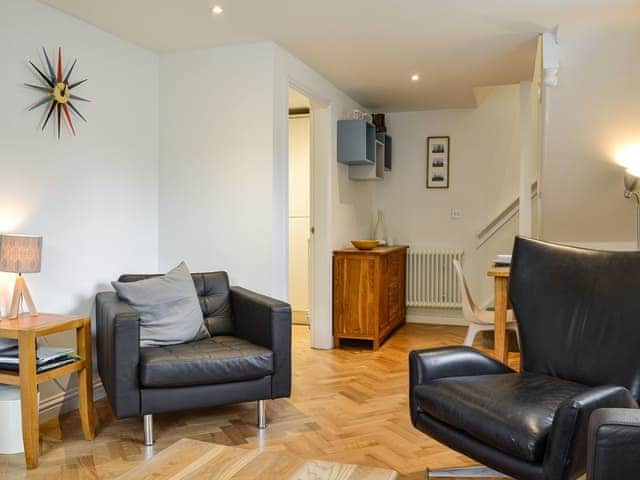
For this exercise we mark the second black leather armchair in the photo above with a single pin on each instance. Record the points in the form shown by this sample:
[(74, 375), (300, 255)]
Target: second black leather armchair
[(579, 331)]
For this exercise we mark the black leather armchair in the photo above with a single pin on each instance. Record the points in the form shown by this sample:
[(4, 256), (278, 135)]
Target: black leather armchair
[(579, 327), (247, 358), (614, 444)]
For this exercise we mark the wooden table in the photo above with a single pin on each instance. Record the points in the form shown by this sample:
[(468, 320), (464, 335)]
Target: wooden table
[(196, 460), (26, 329), (501, 304)]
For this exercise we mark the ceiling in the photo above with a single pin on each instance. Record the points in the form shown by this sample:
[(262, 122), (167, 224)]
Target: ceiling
[(367, 48)]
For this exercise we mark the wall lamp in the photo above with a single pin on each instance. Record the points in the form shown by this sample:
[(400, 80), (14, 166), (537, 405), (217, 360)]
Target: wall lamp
[(631, 183)]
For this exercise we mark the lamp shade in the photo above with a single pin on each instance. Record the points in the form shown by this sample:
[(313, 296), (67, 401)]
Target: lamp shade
[(20, 253)]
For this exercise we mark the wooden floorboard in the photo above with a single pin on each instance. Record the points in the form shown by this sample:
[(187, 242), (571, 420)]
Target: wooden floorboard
[(348, 405), (196, 460)]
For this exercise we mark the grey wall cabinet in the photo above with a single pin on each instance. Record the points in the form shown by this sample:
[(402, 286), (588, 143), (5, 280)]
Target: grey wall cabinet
[(367, 153), (356, 142)]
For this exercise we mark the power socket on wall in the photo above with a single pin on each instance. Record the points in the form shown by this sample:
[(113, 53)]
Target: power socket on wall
[(456, 214)]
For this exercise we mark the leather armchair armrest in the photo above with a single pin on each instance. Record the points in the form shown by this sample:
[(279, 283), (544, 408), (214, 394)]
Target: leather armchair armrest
[(614, 444), (118, 352), (267, 322), (566, 450), (434, 363)]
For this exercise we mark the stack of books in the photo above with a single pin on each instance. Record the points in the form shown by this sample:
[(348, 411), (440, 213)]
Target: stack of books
[(46, 357), (502, 261)]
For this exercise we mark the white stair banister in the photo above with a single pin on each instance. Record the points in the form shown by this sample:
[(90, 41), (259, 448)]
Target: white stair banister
[(500, 220)]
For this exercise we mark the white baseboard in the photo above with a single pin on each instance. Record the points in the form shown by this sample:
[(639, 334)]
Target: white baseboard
[(436, 316), (63, 402)]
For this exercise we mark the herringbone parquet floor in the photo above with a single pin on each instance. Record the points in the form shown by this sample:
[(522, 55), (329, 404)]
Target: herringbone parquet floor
[(348, 405)]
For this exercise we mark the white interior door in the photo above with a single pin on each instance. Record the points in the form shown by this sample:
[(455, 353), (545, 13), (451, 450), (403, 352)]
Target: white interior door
[(299, 216)]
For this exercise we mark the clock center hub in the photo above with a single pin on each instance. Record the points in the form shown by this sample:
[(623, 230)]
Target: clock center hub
[(61, 92)]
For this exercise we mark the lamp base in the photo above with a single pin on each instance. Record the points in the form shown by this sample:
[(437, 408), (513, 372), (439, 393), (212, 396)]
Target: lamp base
[(20, 290)]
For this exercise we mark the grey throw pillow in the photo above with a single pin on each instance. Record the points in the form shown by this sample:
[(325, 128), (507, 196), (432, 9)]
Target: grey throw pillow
[(168, 306)]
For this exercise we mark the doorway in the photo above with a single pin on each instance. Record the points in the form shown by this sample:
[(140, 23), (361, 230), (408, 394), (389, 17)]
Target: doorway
[(299, 221)]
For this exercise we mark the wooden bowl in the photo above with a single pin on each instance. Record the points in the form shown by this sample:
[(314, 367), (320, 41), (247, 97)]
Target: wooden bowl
[(365, 244)]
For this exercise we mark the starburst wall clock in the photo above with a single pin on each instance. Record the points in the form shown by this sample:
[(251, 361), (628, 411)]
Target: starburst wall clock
[(57, 90)]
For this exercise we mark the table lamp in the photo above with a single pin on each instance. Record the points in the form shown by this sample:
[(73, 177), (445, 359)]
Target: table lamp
[(20, 254)]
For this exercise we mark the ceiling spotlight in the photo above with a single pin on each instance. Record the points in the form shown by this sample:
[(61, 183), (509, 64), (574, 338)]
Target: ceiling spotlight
[(217, 9), (415, 77)]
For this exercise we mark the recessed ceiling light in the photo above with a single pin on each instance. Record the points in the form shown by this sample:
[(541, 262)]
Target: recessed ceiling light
[(415, 77), (217, 9)]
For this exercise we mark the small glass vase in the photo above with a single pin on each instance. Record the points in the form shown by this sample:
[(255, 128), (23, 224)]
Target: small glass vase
[(379, 232)]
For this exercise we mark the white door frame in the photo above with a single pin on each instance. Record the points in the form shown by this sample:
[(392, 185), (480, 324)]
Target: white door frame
[(320, 285)]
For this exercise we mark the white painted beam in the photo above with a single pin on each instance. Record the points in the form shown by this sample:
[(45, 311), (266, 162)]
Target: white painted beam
[(526, 159)]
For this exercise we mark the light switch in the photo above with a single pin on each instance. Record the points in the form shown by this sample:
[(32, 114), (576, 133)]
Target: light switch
[(456, 214)]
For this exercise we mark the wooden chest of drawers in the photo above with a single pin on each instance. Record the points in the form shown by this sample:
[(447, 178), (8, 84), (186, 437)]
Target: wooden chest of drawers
[(368, 293)]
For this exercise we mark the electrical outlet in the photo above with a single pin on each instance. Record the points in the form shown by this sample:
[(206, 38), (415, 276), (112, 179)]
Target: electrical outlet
[(456, 214)]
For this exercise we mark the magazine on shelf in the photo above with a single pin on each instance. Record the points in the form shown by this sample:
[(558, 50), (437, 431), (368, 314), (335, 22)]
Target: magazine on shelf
[(9, 355), (60, 361)]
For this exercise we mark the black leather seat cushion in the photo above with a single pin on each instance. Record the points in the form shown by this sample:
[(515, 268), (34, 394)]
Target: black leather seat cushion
[(512, 412), (205, 362)]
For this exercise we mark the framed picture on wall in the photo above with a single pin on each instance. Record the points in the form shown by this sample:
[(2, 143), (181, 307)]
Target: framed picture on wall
[(438, 158)]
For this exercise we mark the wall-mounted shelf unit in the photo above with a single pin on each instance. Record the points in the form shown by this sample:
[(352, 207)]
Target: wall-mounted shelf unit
[(367, 153), (374, 171), (356, 142), (386, 139)]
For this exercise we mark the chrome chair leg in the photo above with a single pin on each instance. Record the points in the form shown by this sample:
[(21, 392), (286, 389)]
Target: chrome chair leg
[(464, 472), (262, 414), (148, 430)]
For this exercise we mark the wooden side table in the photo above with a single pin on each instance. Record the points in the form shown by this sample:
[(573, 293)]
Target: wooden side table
[(501, 303), (26, 328)]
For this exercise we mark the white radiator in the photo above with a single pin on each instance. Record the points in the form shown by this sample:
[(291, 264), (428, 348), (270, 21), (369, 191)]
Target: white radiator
[(431, 279)]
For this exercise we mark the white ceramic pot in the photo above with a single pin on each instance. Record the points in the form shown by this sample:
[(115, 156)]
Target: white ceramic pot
[(11, 420)]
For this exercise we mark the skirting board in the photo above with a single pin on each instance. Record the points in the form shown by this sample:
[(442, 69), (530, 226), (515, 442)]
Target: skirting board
[(300, 317), (63, 402), (436, 316)]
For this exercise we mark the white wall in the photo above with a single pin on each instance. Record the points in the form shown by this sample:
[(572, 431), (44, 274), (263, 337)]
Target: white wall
[(92, 197), (483, 179), (593, 111), (216, 162), (224, 169), (299, 215)]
